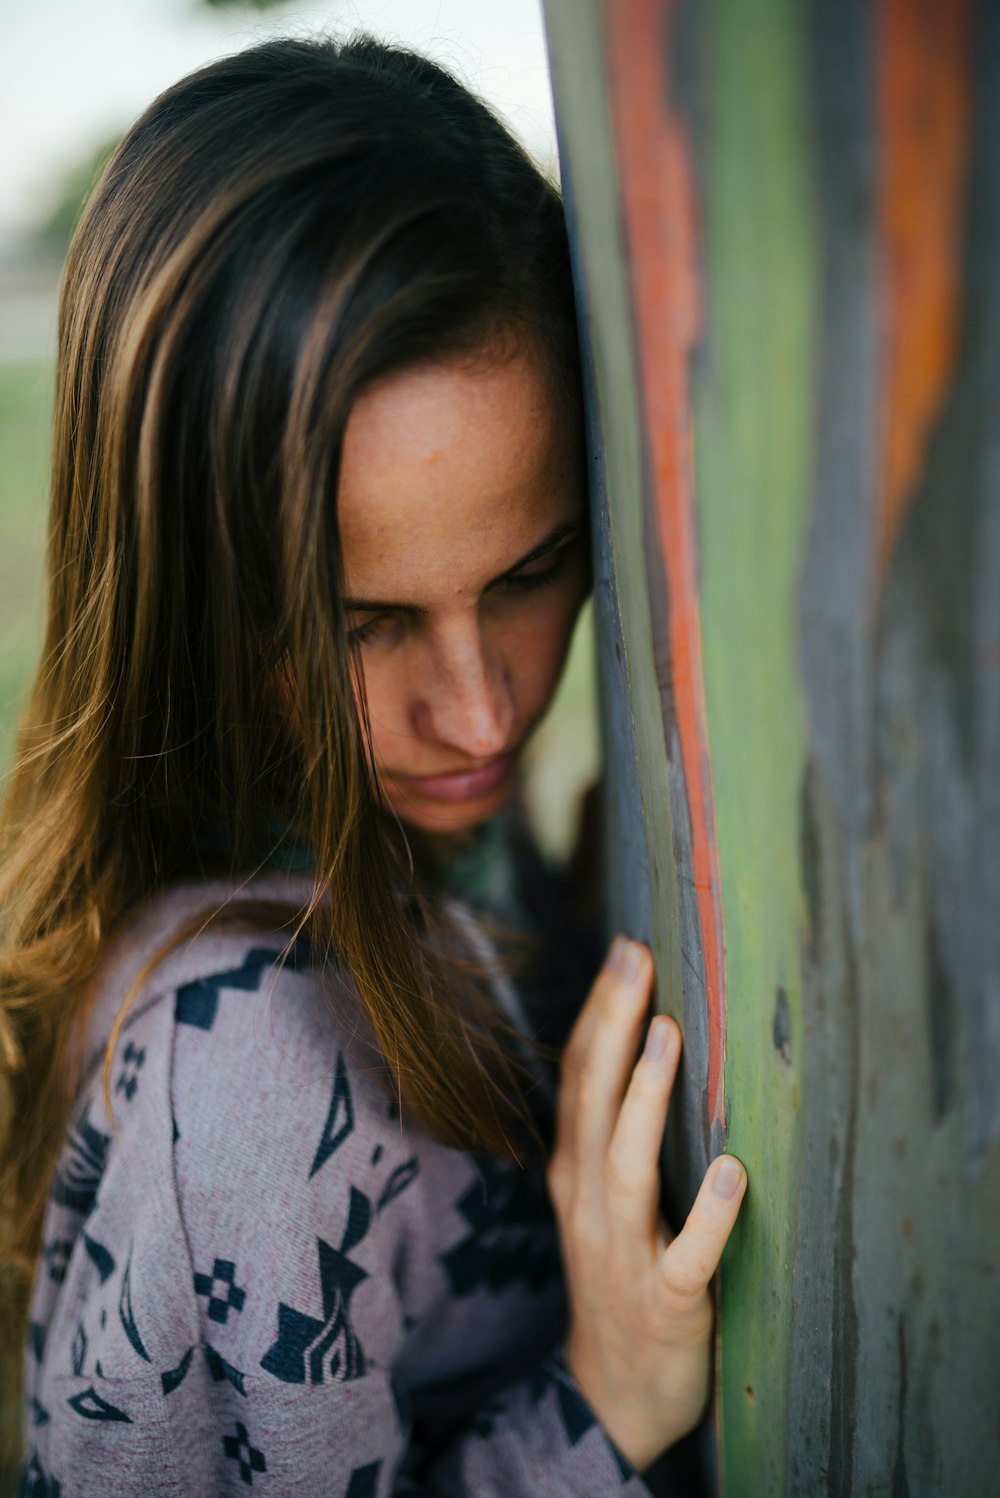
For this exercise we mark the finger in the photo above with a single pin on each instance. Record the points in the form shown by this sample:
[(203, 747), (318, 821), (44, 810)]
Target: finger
[(690, 1261), (615, 960), (619, 963), (609, 1060), (633, 1174)]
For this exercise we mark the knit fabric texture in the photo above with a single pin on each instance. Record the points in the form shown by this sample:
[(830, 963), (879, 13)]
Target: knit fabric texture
[(257, 1276)]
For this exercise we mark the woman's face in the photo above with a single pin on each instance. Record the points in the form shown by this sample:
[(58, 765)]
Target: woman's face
[(462, 521)]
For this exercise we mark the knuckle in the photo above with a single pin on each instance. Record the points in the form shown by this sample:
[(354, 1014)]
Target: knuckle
[(684, 1277), (684, 1286)]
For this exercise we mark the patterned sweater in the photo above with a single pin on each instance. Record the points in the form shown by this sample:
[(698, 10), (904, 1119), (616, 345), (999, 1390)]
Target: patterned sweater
[(255, 1276)]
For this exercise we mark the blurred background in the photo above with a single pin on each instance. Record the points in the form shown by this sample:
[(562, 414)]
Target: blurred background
[(72, 78)]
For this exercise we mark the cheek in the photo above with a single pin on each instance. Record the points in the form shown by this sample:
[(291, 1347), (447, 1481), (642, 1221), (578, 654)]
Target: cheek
[(536, 650)]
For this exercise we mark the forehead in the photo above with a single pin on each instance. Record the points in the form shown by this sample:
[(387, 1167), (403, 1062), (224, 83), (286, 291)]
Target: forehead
[(453, 459)]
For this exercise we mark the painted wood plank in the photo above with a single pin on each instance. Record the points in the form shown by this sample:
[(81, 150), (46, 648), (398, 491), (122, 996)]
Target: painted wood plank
[(787, 226)]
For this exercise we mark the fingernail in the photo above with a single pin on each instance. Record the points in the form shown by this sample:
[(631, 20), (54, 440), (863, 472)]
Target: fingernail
[(728, 1178), (623, 959), (657, 1039)]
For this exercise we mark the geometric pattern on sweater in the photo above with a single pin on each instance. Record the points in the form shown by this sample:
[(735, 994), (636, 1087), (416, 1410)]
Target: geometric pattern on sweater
[(339, 1120), (339, 1267), (221, 1289), (309, 1349), (504, 1210), (81, 1165), (238, 1448), (196, 1003)]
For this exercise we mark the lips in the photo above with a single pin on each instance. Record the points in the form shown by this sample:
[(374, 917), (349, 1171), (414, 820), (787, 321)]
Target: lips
[(461, 785)]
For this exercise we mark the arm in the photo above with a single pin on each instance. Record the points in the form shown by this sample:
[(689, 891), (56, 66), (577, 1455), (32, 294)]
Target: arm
[(233, 1312), (306, 1340), (538, 1436)]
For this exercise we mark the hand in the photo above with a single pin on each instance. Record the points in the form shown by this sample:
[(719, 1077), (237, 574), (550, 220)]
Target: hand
[(639, 1345)]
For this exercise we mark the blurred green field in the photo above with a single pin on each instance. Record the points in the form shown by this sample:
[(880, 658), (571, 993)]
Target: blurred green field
[(25, 416)]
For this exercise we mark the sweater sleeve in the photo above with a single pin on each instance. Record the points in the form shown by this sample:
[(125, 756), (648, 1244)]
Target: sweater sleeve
[(317, 1209), (248, 1300), (537, 1436)]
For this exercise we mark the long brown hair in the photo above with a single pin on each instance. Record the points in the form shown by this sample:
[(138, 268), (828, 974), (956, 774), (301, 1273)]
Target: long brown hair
[(276, 231)]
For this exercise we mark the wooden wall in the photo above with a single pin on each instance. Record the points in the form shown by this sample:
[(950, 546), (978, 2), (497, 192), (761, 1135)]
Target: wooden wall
[(786, 217)]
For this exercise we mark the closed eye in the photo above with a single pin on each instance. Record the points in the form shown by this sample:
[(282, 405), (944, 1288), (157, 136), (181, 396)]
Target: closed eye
[(361, 634), (527, 582), (515, 584)]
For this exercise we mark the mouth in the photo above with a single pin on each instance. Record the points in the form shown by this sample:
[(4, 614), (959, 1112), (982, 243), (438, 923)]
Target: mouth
[(462, 785)]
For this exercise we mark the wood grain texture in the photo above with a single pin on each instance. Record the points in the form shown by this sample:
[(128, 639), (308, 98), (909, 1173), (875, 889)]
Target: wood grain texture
[(787, 236), (656, 176)]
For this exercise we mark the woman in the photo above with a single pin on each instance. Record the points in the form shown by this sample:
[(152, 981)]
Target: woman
[(282, 1135)]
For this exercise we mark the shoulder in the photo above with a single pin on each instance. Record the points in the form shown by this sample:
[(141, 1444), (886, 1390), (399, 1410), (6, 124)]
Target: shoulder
[(216, 1283), (246, 1107), (229, 1013), (179, 936)]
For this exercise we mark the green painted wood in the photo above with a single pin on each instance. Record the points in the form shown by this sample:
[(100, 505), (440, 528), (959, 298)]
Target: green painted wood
[(753, 412), (842, 388)]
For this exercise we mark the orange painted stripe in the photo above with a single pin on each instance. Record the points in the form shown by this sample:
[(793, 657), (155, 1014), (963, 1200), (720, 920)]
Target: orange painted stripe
[(924, 93), (656, 178)]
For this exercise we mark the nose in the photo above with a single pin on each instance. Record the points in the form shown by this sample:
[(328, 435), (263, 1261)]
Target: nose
[(468, 704)]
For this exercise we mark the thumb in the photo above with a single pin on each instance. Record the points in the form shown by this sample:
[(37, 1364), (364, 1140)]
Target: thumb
[(689, 1262)]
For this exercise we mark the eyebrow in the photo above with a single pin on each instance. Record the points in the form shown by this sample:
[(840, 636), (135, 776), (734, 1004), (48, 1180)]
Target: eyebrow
[(556, 536)]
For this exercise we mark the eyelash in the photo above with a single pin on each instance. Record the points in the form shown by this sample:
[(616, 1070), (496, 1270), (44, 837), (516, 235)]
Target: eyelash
[(529, 581), (364, 632), (518, 585)]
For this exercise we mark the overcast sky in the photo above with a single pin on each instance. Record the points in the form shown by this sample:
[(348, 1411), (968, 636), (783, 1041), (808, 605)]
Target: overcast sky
[(73, 72)]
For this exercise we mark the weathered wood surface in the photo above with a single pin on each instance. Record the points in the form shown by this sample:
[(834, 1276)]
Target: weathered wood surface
[(787, 230)]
